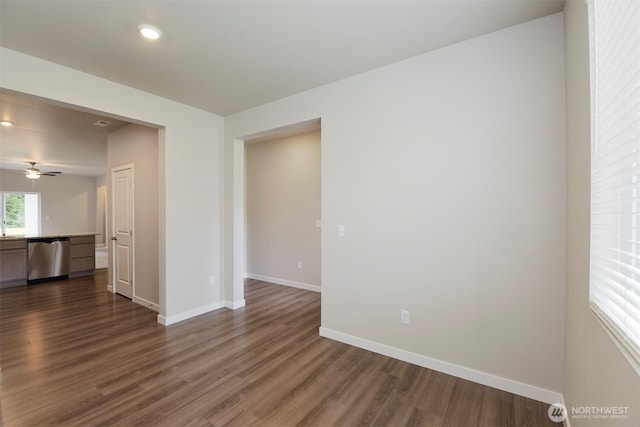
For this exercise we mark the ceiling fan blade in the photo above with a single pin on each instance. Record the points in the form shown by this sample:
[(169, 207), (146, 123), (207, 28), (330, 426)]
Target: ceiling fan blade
[(50, 173)]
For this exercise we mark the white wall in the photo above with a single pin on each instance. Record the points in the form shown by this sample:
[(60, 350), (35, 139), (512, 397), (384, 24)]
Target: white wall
[(101, 214), (191, 139), (595, 370), (67, 202), (138, 146), (283, 205), (101, 217), (448, 171)]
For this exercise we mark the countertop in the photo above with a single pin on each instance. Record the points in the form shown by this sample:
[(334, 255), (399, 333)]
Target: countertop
[(45, 236)]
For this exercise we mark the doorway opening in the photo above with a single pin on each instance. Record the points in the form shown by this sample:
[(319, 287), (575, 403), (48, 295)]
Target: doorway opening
[(66, 145), (277, 192)]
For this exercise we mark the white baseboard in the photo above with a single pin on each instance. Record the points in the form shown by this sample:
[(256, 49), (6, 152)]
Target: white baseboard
[(284, 282), (479, 377), (233, 305), (170, 320), (152, 305)]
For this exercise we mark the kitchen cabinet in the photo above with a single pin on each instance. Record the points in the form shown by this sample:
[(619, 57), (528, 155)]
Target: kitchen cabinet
[(14, 257), (13, 262), (82, 257)]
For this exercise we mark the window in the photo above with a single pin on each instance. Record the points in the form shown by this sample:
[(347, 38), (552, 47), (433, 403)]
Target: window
[(20, 213), (614, 282)]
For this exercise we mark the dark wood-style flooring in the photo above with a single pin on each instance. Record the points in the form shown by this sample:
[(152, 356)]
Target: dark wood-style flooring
[(73, 354)]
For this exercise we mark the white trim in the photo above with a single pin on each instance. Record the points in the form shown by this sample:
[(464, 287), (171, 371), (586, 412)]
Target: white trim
[(624, 344), (479, 377), (170, 320), (239, 218), (285, 282), (233, 305), (152, 305), (146, 303)]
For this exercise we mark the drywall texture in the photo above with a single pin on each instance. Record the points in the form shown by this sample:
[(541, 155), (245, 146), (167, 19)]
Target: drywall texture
[(138, 146), (101, 214), (283, 205), (67, 202), (189, 139), (448, 172), (595, 370)]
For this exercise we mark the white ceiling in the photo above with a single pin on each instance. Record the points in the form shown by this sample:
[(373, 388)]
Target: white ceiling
[(55, 137), (228, 56)]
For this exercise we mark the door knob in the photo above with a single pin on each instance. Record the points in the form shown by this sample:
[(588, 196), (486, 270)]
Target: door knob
[(114, 238)]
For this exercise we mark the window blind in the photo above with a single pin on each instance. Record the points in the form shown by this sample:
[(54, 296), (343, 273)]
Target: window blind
[(614, 289)]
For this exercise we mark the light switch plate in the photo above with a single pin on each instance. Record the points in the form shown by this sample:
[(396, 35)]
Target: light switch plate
[(404, 317)]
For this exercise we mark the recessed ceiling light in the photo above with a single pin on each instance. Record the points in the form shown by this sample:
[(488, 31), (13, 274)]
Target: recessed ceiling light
[(149, 32), (6, 123)]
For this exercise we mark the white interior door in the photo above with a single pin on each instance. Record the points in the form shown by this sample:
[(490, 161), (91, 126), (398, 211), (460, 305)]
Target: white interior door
[(123, 231)]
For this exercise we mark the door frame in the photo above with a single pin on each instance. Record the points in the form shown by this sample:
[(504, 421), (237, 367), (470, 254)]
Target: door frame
[(238, 236), (111, 246)]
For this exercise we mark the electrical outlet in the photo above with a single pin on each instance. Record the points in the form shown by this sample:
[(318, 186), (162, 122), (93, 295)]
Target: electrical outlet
[(341, 230), (212, 281), (404, 317), (299, 265)]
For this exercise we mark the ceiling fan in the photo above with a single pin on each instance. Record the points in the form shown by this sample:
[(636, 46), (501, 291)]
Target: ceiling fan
[(33, 173)]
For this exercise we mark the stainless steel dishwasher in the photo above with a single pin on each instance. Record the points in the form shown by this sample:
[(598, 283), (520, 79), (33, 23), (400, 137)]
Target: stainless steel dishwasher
[(48, 258)]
